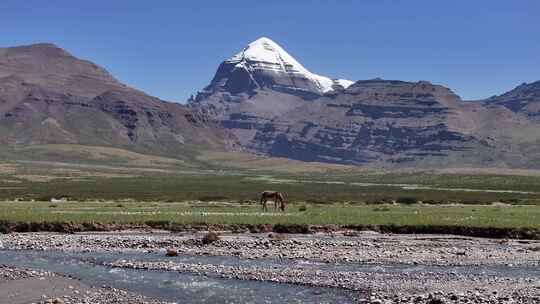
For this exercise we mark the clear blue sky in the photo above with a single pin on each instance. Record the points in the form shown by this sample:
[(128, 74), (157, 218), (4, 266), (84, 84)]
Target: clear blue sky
[(171, 49)]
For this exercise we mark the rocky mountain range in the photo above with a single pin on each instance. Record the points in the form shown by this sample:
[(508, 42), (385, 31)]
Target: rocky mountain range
[(275, 106), (263, 101)]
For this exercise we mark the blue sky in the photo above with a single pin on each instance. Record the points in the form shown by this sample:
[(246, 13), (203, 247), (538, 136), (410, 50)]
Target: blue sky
[(171, 49)]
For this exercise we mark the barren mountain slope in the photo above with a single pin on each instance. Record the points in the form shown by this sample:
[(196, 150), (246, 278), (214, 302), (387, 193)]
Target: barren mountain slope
[(49, 96)]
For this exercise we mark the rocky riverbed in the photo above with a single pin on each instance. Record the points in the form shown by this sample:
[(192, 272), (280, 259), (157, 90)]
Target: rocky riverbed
[(375, 268), (353, 247)]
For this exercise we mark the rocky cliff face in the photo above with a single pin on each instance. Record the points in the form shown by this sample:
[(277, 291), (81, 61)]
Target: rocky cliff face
[(371, 121), (377, 121), (49, 96)]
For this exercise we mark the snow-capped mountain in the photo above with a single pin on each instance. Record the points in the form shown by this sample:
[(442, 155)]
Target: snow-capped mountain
[(275, 106), (264, 64)]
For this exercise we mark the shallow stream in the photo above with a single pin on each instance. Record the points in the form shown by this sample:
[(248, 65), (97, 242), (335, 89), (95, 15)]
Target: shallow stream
[(167, 285), (190, 288)]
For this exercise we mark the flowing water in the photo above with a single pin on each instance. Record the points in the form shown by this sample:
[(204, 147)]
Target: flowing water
[(189, 288), (168, 285)]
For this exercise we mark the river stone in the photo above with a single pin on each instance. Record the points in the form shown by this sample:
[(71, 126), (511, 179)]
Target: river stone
[(171, 252)]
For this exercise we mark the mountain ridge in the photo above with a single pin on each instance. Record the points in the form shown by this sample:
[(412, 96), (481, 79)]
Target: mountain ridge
[(524, 99)]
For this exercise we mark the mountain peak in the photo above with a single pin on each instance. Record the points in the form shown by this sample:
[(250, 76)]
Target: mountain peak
[(263, 40), (267, 51), (49, 66), (263, 63)]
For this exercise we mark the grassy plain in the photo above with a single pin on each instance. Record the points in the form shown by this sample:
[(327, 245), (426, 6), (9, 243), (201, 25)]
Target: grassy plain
[(107, 185), (222, 213), (42, 181)]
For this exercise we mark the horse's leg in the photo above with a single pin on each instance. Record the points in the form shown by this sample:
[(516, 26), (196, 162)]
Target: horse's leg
[(265, 207), (281, 202)]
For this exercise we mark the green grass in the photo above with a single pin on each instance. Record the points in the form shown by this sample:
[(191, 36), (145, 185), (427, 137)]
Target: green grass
[(141, 189), (339, 214), (87, 173), (173, 184)]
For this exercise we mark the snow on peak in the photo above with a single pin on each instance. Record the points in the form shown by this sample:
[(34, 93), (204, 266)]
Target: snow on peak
[(265, 54)]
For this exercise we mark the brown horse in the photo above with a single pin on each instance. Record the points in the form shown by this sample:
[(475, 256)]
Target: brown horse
[(275, 196)]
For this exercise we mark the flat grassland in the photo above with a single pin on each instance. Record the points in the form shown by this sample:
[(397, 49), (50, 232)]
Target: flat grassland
[(498, 216), (41, 181), (113, 186)]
